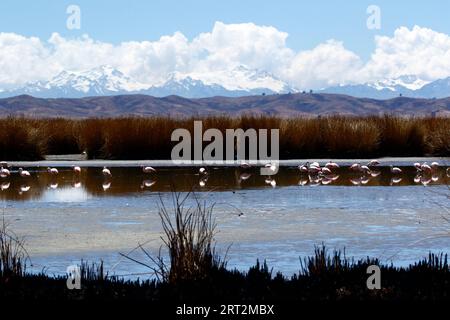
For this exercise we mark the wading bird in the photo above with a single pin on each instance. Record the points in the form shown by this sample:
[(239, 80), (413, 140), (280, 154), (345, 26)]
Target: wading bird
[(148, 169), (106, 172), (52, 171), (373, 163), (331, 165), (24, 173), (395, 170), (303, 168), (202, 171), (434, 165), (76, 169), (4, 173), (365, 169), (245, 165)]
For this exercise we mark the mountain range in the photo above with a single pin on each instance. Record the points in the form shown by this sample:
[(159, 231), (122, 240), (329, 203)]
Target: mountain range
[(238, 82), (107, 81), (406, 86)]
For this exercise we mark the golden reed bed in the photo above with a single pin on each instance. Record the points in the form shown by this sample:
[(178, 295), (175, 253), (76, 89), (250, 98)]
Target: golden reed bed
[(149, 138)]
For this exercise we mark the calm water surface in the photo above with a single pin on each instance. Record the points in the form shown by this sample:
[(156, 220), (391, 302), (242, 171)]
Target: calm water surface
[(68, 217)]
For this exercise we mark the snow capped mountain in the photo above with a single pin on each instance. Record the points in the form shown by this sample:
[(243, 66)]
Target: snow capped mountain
[(239, 81), (105, 80), (408, 86), (410, 82)]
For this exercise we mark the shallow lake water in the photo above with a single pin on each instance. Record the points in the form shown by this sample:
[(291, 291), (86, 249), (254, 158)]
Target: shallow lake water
[(66, 218)]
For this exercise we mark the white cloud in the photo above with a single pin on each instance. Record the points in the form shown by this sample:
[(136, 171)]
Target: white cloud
[(418, 51), (328, 64)]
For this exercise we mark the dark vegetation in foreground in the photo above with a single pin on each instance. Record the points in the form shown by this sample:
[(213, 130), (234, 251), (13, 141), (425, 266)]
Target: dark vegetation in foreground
[(196, 273), (150, 138)]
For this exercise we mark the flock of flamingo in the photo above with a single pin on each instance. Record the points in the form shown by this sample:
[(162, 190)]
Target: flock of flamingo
[(310, 173)]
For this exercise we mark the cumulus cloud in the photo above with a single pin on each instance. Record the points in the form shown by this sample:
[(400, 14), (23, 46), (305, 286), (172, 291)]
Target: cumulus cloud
[(418, 51)]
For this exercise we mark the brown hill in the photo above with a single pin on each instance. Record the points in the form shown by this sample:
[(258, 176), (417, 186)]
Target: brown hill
[(282, 105)]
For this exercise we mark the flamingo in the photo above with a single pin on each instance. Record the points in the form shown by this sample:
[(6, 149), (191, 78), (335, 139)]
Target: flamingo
[(365, 169), (315, 164), (417, 165), (76, 169), (326, 170), (425, 167), (332, 165), (303, 168), (373, 163), (24, 173), (202, 171), (5, 186), (245, 165), (52, 171), (395, 170), (355, 167), (148, 169), (434, 165), (106, 172), (4, 173)]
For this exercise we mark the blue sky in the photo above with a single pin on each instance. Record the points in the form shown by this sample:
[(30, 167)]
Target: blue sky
[(307, 44), (308, 23)]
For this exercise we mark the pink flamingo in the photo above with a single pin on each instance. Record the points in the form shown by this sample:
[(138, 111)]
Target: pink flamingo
[(52, 171), (24, 173), (395, 170), (76, 169), (4, 172), (148, 169)]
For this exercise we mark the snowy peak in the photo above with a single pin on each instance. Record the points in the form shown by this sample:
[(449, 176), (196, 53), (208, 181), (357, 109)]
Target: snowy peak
[(409, 82), (242, 78), (239, 81), (102, 79), (105, 80)]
